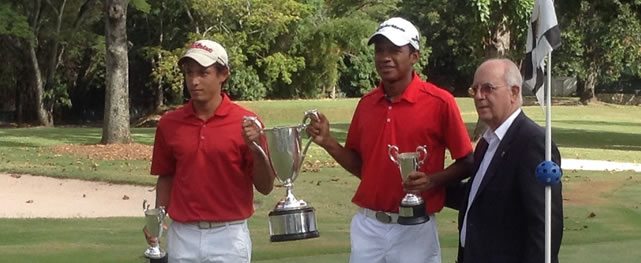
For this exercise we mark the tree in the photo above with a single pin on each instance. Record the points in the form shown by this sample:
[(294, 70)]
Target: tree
[(115, 127), (159, 35), (601, 40), (463, 33), (14, 28), (37, 16), (348, 61), (259, 36), (41, 45)]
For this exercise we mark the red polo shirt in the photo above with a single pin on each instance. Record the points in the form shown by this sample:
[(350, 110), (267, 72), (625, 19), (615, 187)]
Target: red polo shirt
[(424, 115), (210, 162)]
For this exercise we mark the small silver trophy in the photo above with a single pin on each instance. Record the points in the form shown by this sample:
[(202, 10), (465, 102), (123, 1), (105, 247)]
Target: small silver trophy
[(412, 208), (154, 219), (291, 218)]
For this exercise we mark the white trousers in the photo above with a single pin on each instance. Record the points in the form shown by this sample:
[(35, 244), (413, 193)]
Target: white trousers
[(186, 243), (376, 242)]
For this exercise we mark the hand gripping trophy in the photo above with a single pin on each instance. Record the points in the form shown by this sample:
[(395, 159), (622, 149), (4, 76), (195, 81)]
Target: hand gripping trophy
[(412, 208), (154, 219), (291, 218)]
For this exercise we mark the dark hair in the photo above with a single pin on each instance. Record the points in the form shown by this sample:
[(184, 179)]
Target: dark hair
[(219, 68), (412, 48)]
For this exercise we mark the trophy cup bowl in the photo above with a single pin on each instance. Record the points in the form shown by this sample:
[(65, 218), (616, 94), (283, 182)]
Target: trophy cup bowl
[(154, 219), (291, 218), (411, 210)]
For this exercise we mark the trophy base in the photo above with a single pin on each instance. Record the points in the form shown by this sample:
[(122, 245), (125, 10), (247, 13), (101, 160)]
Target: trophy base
[(290, 237), (164, 259), (412, 214), (155, 253), (294, 224)]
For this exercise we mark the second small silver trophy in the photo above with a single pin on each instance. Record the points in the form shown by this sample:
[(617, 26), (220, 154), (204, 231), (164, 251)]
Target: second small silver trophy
[(291, 219), (154, 220), (412, 208)]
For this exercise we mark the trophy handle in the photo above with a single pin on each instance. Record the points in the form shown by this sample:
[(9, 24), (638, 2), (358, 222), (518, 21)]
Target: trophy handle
[(254, 120), (392, 151), (308, 116), (421, 149), (145, 205)]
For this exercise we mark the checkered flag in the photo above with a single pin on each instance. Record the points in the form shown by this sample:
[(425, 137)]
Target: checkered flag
[(543, 37)]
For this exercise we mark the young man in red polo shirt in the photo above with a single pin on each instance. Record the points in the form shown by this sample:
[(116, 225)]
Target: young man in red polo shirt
[(206, 165), (407, 112)]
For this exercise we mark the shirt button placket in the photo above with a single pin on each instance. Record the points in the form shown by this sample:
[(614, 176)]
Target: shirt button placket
[(202, 135), (389, 114)]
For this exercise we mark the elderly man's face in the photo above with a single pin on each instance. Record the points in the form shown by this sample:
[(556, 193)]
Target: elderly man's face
[(495, 101)]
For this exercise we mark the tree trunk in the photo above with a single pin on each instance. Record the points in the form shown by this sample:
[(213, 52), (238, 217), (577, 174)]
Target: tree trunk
[(43, 117), (160, 96), (115, 127), (17, 117), (52, 62), (588, 95), (498, 43)]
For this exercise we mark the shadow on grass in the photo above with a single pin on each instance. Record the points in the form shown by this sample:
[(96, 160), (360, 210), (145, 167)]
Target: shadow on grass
[(596, 139), (590, 139), (564, 137), (35, 137), (601, 123), (575, 138)]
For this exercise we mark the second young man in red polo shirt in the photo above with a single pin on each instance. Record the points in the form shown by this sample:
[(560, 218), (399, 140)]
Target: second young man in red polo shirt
[(407, 112)]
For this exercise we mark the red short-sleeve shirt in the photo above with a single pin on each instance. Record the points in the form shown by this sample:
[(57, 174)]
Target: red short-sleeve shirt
[(424, 115), (210, 162)]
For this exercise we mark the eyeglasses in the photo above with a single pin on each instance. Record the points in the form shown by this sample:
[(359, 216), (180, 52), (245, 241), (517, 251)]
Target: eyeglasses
[(485, 89)]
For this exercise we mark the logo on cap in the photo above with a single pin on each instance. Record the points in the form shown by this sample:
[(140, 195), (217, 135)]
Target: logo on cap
[(201, 46), (399, 31), (206, 53)]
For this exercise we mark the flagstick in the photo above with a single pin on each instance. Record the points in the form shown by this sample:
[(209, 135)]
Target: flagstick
[(548, 157)]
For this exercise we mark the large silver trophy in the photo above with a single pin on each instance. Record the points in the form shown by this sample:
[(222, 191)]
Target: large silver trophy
[(154, 219), (412, 208), (291, 218)]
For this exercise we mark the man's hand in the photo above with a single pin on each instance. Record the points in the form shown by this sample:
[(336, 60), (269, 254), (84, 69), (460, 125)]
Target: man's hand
[(318, 129), (251, 134), (418, 182), (151, 240)]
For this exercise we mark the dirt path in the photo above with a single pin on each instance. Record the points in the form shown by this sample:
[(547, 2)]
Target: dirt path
[(26, 196), (585, 191)]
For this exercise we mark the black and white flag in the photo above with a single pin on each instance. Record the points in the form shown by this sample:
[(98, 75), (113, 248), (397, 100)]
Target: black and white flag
[(543, 37)]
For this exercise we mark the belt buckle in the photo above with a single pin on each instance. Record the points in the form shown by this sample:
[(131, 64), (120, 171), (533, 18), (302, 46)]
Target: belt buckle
[(204, 225), (383, 217)]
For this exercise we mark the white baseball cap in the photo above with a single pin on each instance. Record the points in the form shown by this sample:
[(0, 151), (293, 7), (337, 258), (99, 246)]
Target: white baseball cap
[(398, 30), (206, 53)]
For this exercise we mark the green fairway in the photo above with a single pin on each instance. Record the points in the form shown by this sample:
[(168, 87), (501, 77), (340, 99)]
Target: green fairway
[(597, 229), (602, 132), (602, 209)]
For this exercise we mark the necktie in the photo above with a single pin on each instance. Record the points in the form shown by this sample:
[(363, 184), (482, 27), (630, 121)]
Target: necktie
[(479, 152)]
